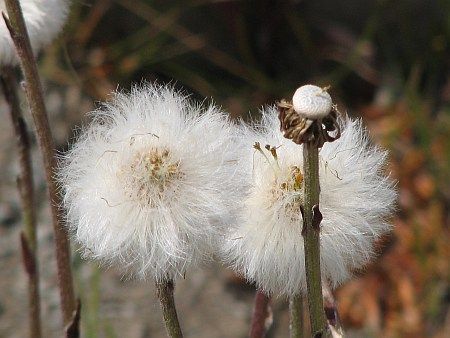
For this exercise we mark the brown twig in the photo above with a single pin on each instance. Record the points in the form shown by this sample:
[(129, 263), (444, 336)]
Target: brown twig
[(262, 316), (33, 90), (195, 42), (26, 192), (164, 291)]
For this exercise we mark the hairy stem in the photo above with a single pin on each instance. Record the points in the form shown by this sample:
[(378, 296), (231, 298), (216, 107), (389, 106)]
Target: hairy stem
[(26, 193), (262, 316), (32, 85), (296, 323), (311, 231), (164, 291)]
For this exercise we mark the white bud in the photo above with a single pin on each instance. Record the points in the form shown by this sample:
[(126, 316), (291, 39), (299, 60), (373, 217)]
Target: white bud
[(312, 102)]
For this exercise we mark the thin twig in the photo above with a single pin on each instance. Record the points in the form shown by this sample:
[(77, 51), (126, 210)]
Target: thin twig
[(26, 192), (195, 42), (33, 90), (262, 316), (164, 291)]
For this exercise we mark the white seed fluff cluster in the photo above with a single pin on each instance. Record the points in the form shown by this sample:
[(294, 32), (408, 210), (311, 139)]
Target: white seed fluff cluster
[(44, 20), (151, 183), (355, 200)]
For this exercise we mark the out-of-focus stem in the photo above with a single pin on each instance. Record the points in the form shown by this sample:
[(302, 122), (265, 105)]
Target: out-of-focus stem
[(164, 291), (296, 324), (26, 193), (262, 316), (311, 231), (32, 84), (332, 314)]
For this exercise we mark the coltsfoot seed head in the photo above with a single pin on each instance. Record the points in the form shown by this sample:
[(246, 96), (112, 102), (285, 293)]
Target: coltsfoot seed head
[(312, 102), (151, 184), (44, 19), (356, 200)]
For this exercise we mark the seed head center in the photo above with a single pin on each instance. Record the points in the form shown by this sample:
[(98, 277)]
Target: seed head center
[(150, 174)]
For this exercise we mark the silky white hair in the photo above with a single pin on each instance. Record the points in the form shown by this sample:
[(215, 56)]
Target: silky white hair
[(44, 20), (356, 199), (151, 183)]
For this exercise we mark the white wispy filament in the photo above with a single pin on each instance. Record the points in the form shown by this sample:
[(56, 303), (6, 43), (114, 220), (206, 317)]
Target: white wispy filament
[(43, 19), (151, 182), (355, 199)]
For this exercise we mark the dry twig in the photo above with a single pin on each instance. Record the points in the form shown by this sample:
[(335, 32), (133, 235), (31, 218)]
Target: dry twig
[(33, 90)]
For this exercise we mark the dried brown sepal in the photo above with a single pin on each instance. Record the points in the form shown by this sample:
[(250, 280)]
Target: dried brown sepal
[(300, 129)]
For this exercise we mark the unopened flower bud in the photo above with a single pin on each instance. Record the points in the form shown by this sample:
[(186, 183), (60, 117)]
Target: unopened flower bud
[(312, 102)]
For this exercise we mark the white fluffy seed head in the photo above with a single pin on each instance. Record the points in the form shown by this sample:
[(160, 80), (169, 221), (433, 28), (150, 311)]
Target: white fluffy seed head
[(43, 19), (151, 183), (312, 102), (356, 199)]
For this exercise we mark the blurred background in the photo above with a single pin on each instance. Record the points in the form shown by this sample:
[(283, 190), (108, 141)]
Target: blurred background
[(387, 62)]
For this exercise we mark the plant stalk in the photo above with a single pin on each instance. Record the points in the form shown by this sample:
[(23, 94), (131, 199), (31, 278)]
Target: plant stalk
[(311, 231), (164, 291), (33, 90), (262, 316), (296, 323), (26, 193)]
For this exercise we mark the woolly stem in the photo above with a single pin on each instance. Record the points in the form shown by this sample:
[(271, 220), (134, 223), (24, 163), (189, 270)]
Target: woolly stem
[(296, 323), (26, 193), (311, 231), (33, 90), (261, 318), (164, 291)]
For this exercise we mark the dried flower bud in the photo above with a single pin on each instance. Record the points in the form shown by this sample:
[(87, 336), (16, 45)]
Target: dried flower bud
[(312, 102), (311, 117)]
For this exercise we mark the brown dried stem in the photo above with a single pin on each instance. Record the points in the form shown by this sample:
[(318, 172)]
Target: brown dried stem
[(33, 90), (262, 316), (164, 291), (26, 193)]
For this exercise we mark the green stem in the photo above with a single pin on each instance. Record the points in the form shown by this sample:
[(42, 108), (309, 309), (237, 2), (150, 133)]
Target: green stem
[(165, 294), (311, 231), (33, 90), (26, 193), (296, 324)]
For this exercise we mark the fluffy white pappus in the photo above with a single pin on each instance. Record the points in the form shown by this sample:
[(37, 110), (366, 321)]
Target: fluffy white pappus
[(44, 20), (356, 200), (151, 184)]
